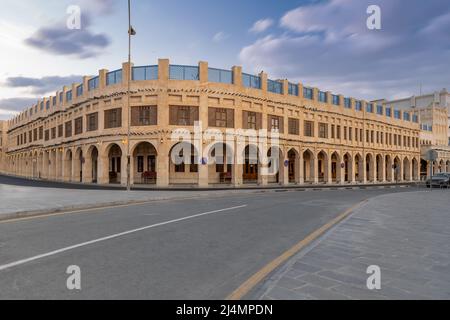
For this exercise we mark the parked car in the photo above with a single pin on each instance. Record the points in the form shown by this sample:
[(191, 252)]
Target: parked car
[(439, 180)]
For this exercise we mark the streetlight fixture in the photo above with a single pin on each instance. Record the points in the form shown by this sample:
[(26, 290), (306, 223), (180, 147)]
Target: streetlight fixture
[(131, 32)]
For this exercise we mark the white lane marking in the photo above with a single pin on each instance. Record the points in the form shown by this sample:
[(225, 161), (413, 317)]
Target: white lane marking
[(117, 235)]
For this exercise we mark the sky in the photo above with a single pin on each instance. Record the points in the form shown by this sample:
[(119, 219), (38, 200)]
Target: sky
[(321, 43)]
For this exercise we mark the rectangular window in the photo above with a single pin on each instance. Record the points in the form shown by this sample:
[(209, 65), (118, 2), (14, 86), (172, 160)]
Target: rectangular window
[(388, 112), (251, 121), (323, 130), (358, 105), (308, 128), (47, 135), (336, 100), (69, 96), (60, 130), (367, 136), (54, 133), (183, 115), (356, 134), (348, 103), (372, 136), (79, 125), (68, 129), (275, 123), (113, 118), (92, 121), (322, 96), (379, 110), (350, 133), (345, 133), (338, 132), (294, 126), (41, 133), (361, 135), (308, 93), (369, 107), (35, 134), (80, 90), (30, 136), (144, 116), (221, 117), (293, 89), (333, 131)]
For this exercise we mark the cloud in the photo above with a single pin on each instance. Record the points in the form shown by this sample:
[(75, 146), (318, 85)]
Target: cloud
[(82, 43), (58, 39), (328, 45), (16, 104), (42, 85), (261, 25), (220, 36)]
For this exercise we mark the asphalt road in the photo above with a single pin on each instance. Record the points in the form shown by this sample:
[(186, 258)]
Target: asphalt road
[(187, 249)]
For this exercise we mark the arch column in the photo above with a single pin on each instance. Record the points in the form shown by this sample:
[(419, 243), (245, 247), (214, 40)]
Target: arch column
[(162, 164), (300, 166), (103, 168), (45, 165)]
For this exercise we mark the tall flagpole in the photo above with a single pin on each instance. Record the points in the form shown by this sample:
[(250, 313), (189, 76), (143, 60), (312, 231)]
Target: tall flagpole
[(128, 99)]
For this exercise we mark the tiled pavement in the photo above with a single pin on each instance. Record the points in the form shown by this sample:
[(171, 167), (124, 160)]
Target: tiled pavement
[(406, 234)]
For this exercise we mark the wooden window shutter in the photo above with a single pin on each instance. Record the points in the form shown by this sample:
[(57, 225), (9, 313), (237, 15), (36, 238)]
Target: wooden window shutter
[(230, 118), (193, 115), (212, 117), (281, 119), (258, 121), (173, 115), (154, 115), (135, 116), (244, 119)]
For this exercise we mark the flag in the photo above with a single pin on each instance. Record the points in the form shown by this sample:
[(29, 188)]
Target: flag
[(132, 31)]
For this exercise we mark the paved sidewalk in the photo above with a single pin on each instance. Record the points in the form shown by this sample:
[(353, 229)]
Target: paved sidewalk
[(26, 200), (406, 234)]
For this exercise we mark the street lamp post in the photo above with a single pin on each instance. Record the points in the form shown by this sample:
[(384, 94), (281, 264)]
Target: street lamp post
[(131, 33)]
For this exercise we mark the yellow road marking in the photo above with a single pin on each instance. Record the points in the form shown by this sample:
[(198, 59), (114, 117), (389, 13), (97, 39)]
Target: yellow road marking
[(248, 285)]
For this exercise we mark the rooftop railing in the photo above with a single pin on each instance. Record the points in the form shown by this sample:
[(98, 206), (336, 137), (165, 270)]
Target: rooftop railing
[(145, 73), (114, 77), (275, 86), (177, 72), (251, 81), (220, 76)]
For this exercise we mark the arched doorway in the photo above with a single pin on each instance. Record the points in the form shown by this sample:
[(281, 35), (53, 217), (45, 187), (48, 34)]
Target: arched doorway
[(424, 169), (322, 166), (115, 164), (275, 165), (370, 168), (251, 164), (68, 166), (94, 165), (359, 175), (78, 165), (397, 169), (406, 169), (388, 168), (308, 166), (415, 168), (183, 164), (347, 167), (442, 166), (335, 168), (380, 168), (293, 173), (448, 166), (220, 164), (144, 163)]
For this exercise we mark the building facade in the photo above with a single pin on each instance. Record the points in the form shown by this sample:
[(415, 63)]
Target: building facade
[(81, 133), (3, 139), (433, 111)]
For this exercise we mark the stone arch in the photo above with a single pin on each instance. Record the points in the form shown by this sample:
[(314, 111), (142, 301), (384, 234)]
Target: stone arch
[(293, 158), (144, 163), (91, 164), (322, 166), (388, 165), (380, 168), (359, 168), (220, 158), (336, 167), (370, 167), (406, 169), (397, 169), (251, 159), (116, 163), (275, 165), (348, 167), (68, 158), (309, 172), (183, 163)]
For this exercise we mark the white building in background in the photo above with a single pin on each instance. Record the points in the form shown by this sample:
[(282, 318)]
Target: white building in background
[(434, 113)]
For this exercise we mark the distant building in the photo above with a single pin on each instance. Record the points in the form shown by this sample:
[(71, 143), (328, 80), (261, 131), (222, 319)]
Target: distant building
[(433, 111)]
